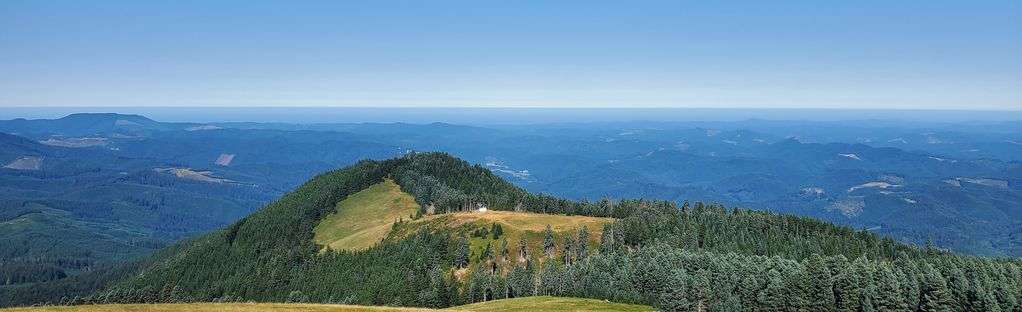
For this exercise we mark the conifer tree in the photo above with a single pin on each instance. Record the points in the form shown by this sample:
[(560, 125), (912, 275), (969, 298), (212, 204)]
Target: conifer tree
[(774, 297), (487, 253), (700, 290), (848, 289), (505, 253), (496, 230), (934, 293), (462, 253), (889, 297), (731, 303), (568, 254), (548, 241), (582, 244), (607, 241), (868, 293), (674, 296), (749, 289), (821, 285)]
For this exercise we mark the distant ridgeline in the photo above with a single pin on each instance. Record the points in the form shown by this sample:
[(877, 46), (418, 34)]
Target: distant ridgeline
[(653, 252)]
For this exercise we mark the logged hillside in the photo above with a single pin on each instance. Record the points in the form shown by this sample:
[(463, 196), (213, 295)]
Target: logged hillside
[(676, 258)]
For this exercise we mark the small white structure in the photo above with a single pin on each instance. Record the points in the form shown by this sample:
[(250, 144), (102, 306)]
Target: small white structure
[(480, 207)]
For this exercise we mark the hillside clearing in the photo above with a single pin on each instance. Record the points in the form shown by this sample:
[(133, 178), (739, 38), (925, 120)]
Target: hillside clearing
[(25, 163), (532, 304), (515, 226), (189, 174), (365, 218)]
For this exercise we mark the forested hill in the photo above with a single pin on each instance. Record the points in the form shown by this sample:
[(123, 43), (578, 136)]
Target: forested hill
[(676, 258)]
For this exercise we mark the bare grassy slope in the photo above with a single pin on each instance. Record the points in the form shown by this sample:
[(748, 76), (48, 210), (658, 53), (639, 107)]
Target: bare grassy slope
[(365, 218)]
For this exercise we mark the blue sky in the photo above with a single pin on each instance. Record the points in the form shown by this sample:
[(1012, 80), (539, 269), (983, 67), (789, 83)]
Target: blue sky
[(757, 54)]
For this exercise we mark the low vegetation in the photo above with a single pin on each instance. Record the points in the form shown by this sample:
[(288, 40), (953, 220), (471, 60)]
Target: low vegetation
[(516, 235), (365, 218)]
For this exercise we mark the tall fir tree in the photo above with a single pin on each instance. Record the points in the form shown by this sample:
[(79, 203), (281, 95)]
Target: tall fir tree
[(774, 297), (821, 285), (934, 293), (548, 241), (674, 297)]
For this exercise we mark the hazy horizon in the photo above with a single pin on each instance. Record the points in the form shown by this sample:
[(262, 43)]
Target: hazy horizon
[(514, 115)]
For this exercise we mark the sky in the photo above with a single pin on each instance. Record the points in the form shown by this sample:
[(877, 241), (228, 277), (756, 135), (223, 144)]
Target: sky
[(706, 54)]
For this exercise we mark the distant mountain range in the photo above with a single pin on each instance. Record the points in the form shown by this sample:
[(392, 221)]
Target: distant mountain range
[(102, 188)]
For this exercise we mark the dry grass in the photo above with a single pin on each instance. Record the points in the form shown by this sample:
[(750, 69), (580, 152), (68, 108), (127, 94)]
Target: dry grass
[(527, 221), (516, 226)]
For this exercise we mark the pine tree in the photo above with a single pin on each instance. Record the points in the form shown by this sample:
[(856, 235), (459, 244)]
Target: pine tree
[(889, 297), (958, 286), (868, 293), (700, 290), (568, 254), (496, 230), (607, 241), (821, 285), (462, 253), (731, 303), (582, 244), (523, 249), (505, 253), (848, 289), (487, 253), (548, 241), (674, 297), (774, 297), (749, 289), (934, 293)]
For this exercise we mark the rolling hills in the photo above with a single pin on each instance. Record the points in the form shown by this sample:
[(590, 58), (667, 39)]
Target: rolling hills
[(648, 252), (792, 167)]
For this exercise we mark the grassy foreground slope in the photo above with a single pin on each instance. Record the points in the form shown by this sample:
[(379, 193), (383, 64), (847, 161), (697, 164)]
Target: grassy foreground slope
[(532, 304), (365, 218)]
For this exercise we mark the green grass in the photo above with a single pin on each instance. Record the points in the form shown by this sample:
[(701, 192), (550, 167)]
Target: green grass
[(364, 218), (530, 304)]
